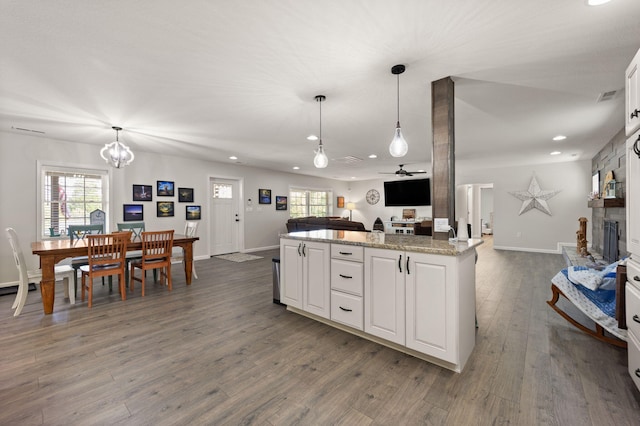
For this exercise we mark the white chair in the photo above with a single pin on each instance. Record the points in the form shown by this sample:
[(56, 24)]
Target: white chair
[(177, 254), (62, 272)]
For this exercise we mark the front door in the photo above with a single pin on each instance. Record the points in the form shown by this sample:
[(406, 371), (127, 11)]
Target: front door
[(225, 216)]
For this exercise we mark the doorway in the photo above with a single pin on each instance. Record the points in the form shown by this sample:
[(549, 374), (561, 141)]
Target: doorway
[(225, 215)]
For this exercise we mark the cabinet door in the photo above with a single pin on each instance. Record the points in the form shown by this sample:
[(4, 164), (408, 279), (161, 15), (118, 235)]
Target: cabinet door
[(633, 197), (632, 96), (431, 306), (316, 278), (291, 272), (384, 292)]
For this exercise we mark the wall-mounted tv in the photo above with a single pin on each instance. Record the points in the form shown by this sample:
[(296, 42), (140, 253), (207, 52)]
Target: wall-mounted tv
[(407, 192)]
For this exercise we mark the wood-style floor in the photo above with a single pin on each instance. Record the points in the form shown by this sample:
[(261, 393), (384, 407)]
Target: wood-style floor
[(220, 352)]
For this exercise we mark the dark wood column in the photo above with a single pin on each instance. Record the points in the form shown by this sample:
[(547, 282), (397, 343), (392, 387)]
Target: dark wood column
[(443, 153)]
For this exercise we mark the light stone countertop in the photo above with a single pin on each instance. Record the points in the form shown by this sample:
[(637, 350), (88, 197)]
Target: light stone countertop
[(414, 243)]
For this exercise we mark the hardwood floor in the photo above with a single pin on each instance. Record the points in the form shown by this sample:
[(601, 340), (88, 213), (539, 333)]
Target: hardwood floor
[(219, 352)]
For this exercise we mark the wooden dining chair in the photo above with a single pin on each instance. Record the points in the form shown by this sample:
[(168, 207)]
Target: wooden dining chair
[(156, 254), (177, 255), (62, 272), (107, 257), (79, 232), (136, 228)]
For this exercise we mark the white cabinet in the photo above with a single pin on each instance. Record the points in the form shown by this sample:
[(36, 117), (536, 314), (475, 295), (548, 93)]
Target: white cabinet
[(304, 276), (632, 96), (632, 290), (632, 297), (347, 285), (633, 196), (384, 294), (423, 301), (440, 293)]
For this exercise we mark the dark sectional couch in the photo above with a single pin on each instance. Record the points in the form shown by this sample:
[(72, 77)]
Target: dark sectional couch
[(312, 223)]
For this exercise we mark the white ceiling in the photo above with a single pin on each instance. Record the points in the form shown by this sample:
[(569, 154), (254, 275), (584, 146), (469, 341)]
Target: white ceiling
[(211, 79)]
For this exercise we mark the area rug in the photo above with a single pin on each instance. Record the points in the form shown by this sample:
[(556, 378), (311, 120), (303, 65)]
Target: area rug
[(238, 257)]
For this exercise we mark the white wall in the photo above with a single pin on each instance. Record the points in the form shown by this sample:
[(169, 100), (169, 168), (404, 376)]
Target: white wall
[(538, 231), (18, 209)]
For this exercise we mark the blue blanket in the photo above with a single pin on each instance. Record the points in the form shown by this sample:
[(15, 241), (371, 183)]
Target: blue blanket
[(603, 298)]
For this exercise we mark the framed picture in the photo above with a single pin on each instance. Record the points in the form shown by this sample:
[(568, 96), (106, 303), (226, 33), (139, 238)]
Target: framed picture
[(185, 195), (132, 213), (165, 188), (193, 212), (281, 202), (340, 202), (142, 193), (264, 196), (164, 209)]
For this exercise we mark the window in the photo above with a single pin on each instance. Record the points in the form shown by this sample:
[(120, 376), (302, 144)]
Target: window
[(68, 196), (222, 190), (309, 202)]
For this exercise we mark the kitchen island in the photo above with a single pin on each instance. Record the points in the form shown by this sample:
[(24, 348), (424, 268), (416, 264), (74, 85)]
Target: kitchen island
[(408, 292)]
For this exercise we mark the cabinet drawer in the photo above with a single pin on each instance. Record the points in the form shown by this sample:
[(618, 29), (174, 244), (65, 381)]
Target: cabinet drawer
[(347, 252), (634, 359), (632, 295), (347, 276), (347, 309), (633, 273)]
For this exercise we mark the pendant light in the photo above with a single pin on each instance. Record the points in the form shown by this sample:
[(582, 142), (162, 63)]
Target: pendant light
[(320, 160), (398, 147), (116, 153)]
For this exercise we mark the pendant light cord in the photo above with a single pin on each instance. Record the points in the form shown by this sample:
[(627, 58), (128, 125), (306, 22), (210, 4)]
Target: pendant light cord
[(398, 96)]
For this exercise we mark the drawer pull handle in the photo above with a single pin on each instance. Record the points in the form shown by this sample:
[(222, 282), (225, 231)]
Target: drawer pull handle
[(636, 278), (345, 253), (351, 310), (638, 372), (345, 276), (636, 318)]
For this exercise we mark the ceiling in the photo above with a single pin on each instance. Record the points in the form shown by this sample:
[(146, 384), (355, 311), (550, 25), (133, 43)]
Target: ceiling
[(212, 79)]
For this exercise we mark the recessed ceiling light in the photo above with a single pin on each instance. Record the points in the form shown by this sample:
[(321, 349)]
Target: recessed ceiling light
[(597, 2), (312, 138), (353, 177), (233, 157), (373, 156), (555, 153), (296, 168), (559, 138)]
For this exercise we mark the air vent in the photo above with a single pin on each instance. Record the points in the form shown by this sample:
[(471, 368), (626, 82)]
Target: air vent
[(607, 96), (349, 159), (22, 129)]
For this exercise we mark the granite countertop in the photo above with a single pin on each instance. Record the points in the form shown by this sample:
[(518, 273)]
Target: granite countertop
[(415, 243)]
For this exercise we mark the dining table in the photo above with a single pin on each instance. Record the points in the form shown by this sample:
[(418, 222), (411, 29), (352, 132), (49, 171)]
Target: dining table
[(55, 250)]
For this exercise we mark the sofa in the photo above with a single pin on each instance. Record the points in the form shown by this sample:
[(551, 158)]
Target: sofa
[(311, 223)]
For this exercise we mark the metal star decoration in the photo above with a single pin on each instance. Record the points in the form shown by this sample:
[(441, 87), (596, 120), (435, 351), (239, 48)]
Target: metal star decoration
[(534, 198)]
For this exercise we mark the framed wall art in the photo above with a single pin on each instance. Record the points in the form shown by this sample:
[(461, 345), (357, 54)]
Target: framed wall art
[(185, 195), (132, 213), (164, 209), (193, 212), (142, 193), (165, 188), (264, 196), (281, 202), (340, 203)]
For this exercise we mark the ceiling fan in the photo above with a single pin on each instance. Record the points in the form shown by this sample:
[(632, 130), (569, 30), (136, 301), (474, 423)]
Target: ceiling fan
[(401, 172)]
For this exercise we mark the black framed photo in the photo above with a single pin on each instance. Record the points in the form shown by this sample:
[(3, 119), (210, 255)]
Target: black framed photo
[(132, 213), (264, 196), (281, 202), (165, 188), (193, 212), (164, 209), (142, 193), (185, 195)]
